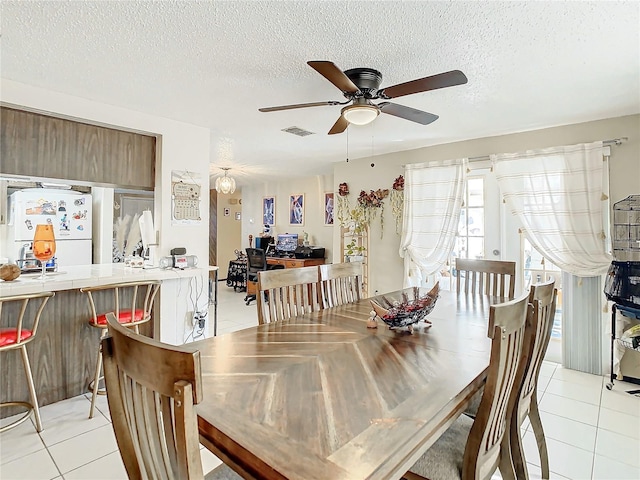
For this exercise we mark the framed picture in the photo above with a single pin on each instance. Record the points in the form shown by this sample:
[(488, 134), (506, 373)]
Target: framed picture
[(296, 209), (328, 208), (269, 211)]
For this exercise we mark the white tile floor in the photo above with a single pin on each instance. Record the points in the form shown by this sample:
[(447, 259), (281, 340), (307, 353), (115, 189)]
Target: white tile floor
[(592, 433)]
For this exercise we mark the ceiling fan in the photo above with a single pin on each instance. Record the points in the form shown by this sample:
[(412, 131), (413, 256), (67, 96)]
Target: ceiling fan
[(362, 85)]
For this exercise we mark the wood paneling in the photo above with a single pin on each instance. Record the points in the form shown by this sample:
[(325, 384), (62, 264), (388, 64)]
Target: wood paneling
[(37, 145), (62, 355), (213, 227)]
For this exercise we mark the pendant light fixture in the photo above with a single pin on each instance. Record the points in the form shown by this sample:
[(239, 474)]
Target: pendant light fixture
[(225, 184)]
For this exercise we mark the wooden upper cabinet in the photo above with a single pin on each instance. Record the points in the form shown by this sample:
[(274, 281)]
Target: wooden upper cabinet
[(37, 145)]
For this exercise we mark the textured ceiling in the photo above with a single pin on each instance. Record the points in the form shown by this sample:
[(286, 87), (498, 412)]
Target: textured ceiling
[(530, 65)]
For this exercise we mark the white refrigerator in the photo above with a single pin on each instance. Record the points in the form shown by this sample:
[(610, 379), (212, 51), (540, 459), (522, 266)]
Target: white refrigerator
[(70, 214)]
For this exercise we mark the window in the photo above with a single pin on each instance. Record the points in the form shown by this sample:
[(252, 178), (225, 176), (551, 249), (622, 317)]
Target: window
[(470, 239), (538, 269)]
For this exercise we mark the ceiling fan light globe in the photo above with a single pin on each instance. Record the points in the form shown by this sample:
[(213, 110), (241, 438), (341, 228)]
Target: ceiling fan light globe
[(360, 114), (225, 184)]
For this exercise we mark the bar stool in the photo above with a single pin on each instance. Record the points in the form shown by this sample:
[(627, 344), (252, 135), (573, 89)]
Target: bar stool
[(138, 313), (18, 337)]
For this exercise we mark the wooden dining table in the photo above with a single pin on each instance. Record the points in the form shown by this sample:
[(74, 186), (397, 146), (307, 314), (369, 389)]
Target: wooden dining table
[(321, 396)]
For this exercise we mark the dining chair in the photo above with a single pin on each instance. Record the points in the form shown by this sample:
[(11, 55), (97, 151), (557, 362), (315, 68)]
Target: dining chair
[(340, 283), (283, 294), (152, 390), (256, 262), (132, 303), (543, 298), (487, 277), (475, 448)]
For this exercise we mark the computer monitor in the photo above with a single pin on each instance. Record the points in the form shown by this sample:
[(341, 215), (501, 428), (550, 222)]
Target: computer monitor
[(263, 242), (287, 242)]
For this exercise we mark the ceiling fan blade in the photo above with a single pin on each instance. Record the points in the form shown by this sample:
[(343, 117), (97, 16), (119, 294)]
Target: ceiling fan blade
[(297, 105), (408, 113), (340, 126), (336, 76), (442, 80)]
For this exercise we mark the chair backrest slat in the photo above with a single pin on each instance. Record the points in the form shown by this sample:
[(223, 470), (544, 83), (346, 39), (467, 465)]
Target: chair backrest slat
[(341, 283), (288, 292), (543, 298), (507, 324), (153, 388), (486, 277)]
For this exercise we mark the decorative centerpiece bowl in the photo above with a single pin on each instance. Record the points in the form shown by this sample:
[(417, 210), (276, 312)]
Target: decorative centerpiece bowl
[(405, 313)]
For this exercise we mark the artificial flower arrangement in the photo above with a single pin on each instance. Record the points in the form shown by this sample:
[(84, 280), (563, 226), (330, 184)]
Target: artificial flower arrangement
[(342, 206), (371, 204), (397, 201), (367, 208)]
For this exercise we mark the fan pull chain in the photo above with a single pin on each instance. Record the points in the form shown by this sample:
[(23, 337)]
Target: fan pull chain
[(372, 164), (347, 145)]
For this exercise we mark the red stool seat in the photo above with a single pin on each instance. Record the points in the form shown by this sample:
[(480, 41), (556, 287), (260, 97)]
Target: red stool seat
[(9, 336), (18, 330), (124, 317), (138, 296)]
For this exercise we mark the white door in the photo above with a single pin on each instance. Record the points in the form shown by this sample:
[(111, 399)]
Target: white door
[(486, 229)]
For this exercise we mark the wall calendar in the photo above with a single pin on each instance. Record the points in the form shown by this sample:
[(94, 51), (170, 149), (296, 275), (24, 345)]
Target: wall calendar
[(185, 197)]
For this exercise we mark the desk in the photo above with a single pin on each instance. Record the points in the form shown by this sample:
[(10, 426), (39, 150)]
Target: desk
[(252, 287), (323, 397), (295, 262)]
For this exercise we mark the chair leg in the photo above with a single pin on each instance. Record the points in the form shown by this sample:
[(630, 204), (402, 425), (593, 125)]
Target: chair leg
[(32, 389), (536, 424), (96, 376), (517, 449), (506, 461)]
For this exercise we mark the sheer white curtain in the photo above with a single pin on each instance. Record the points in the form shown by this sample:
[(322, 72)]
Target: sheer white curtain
[(433, 195), (560, 195)]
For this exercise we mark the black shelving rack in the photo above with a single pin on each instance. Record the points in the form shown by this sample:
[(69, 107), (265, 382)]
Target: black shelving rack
[(633, 313), (622, 286)]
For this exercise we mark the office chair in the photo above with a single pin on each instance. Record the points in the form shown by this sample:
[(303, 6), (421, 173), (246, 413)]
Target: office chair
[(256, 262)]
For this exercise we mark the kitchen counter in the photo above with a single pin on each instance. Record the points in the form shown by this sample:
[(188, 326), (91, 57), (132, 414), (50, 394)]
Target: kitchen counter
[(71, 278), (63, 354)]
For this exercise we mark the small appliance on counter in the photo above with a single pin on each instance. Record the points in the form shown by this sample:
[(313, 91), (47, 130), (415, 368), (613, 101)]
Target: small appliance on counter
[(28, 263), (179, 259), (149, 239)]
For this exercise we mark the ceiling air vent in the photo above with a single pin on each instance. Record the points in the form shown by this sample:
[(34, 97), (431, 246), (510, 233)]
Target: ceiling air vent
[(301, 132)]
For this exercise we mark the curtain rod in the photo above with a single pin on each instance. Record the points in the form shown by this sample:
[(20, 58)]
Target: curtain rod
[(615, 141)]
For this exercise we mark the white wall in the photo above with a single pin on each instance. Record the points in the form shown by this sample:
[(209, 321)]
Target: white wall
[(180, 146), (313, 189), (385, 270)]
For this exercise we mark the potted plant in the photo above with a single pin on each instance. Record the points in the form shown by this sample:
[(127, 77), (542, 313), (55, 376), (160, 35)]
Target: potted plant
[(357, 221), (354, 252)]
